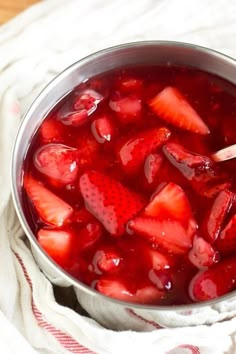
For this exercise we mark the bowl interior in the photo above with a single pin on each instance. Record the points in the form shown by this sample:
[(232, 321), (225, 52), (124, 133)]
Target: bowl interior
[(141, 53)]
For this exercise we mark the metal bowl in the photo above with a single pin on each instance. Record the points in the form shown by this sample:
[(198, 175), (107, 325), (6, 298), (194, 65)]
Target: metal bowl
[(110, 312)]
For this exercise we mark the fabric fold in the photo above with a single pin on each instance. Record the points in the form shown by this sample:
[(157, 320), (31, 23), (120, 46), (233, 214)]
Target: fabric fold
[(34, 47)]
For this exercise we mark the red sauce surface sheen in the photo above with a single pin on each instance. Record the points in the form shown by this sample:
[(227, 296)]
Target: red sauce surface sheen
[(122, 264)]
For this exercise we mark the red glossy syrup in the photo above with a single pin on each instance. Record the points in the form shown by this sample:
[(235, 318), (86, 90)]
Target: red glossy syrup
[(113, 144)]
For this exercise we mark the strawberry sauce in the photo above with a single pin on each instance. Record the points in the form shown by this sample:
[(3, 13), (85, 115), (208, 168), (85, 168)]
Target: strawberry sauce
[(121, 189)]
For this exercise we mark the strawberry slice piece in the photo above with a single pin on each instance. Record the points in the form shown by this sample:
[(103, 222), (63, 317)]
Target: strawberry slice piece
[(89, 235), (109, 201), (171, 106), (214, 221), (106, 260), (170, 202), (161, 279), (103, 129), (188, 163), (133, 152), (159, 261), (86, 102), (213, 191), (148, 295), (152, 167), (51, 131), (51, 209), (58, 244), (128, 109), (167, 234), (229, 129), (226, 242), (202, 254), (58, 162), (75, 119), (214, 282), (130, 84), (116, 289)]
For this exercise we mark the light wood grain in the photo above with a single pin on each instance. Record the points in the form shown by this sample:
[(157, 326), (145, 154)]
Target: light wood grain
[(10, 8)]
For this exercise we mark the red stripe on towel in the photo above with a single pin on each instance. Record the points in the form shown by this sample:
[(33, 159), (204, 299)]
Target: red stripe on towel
[(192, 349), (68, 342), (139, 317)]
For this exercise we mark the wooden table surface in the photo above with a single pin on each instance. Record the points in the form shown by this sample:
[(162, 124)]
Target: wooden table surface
[(10, 8)]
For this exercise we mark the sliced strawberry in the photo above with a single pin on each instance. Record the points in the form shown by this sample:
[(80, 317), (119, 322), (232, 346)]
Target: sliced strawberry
[(106, 260), (211, 192), (51, 209), (128, 109), (134, 151), (214, 88), (214, 282), (170, 202), (148, 295), (88, 149), (58, 162), (130, 84), (159, 261), (166, 234), (99, 85), (88, 235), (103, 129), (161, 279), (116, 289), (219, 210), (188, 163), (202, 254), (226, 242), (85, 104), (58, 244), (75, 119), (109, 201), (51, 131), (171, 106), (152, 167)]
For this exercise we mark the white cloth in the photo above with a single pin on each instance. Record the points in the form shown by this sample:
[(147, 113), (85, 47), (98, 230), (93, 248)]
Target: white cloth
[(34, 47)]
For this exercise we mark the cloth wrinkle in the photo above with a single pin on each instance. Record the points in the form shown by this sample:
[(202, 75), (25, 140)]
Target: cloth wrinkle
[(35, 47)]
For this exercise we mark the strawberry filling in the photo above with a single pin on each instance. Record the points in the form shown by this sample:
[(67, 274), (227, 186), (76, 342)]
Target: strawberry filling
[(202, 254), (124, 186)]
